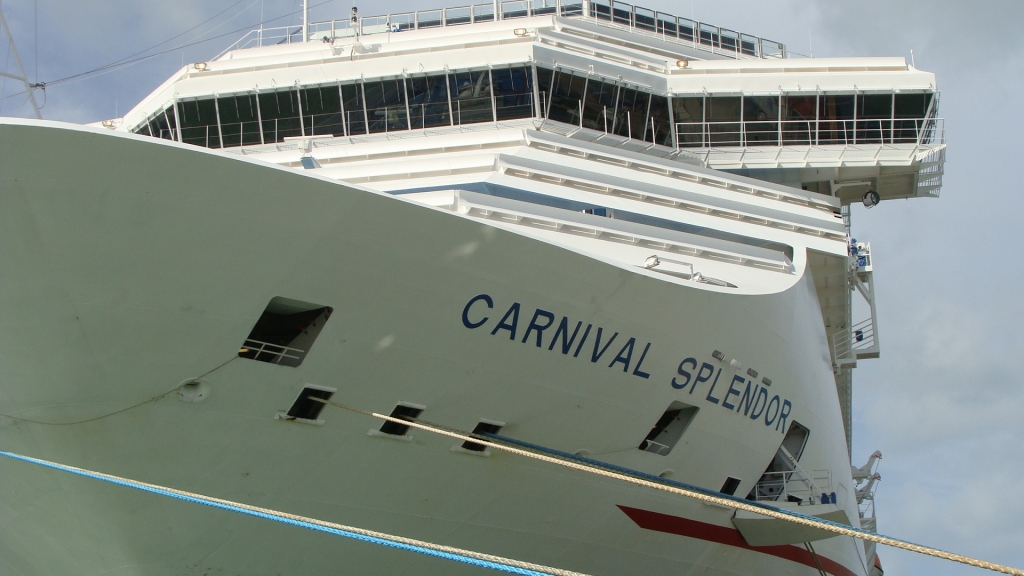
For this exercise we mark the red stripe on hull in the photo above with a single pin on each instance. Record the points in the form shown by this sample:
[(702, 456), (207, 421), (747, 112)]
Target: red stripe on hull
[(729, 536)]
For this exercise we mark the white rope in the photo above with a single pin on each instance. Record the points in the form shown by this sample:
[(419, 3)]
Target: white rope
[(737, 504)]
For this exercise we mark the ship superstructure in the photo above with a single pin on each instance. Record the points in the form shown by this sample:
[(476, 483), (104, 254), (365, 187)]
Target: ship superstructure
[(591, 226), (596, 79)]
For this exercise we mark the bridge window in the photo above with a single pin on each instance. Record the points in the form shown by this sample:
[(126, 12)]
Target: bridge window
[(631, 113), (599, 105), (513, 92), (428, 101), (385, 105), (760, 115), (567, 94), (352, 108), (280, 112), (799, 115), (199, 123), (471, 96), (321, 111), (689, 117), (239, 121), (724, 117)]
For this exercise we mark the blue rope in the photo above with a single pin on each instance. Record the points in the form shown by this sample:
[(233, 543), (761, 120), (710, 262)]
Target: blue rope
[(344, 533)]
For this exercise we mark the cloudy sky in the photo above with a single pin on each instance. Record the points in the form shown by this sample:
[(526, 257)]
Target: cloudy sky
[(944, 403)]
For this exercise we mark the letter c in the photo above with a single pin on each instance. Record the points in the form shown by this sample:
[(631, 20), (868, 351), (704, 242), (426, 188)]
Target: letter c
[(465, 311)]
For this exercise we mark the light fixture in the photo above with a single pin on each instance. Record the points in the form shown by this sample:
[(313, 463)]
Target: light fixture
[(110, 124), (519, 31), (200, 66), (682, 63), (652, 261), (871, 199)]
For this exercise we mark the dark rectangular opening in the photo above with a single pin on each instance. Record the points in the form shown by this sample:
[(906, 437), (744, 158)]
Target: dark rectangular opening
[(482, 427), (285, 332), (402, 412), (305, 407), (669, 429), (730, 486)]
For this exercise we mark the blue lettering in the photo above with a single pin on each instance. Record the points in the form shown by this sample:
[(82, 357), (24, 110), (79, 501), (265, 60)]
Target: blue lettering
[(563, 329), (700, 378), (582, 340), (465, 311), (627, 358), (786, 407), (747, 399), (534, 326), (761, 395), (636, 371), (725, 401), (513, 311), (595, 355), (768, 421), (711, 398), (693, 363)]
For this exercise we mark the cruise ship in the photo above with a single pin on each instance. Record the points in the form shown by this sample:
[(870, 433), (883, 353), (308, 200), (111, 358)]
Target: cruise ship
[(601, 231)]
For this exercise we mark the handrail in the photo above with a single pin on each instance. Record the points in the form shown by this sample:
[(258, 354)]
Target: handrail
[(753, 133), (613, 13)]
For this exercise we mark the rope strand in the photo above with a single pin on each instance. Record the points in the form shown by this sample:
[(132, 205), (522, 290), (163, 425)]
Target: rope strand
[(697, 493)]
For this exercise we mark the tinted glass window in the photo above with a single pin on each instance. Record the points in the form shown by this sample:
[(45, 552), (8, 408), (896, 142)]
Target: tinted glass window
[(761, 114), (567, 94), (834, 114), (428, 101), (689, 116), (912, 105), (544, 86), (723, 115), (199, 123), (471, 96), (874, 112), (355, 115), (513, 92), (599, 105), (280, 112), (385, 105), (631, 114), (238, 120), (798, 119), (660, 131), (321, 111)]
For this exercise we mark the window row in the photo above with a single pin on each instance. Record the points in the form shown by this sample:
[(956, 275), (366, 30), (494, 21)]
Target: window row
[(475, 96), (368, 107)]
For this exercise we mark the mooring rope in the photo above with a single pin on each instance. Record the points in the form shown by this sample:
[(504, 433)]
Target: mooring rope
[(418, 546), (655, 482)]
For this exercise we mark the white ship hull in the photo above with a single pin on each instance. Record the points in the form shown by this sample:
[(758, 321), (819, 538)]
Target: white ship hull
[(130, 265)]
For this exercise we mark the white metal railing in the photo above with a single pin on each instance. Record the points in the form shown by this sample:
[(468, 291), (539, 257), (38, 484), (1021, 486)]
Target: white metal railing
[(257, 348), (754, 133), (859, 339), (699, 35), (794, 486)]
